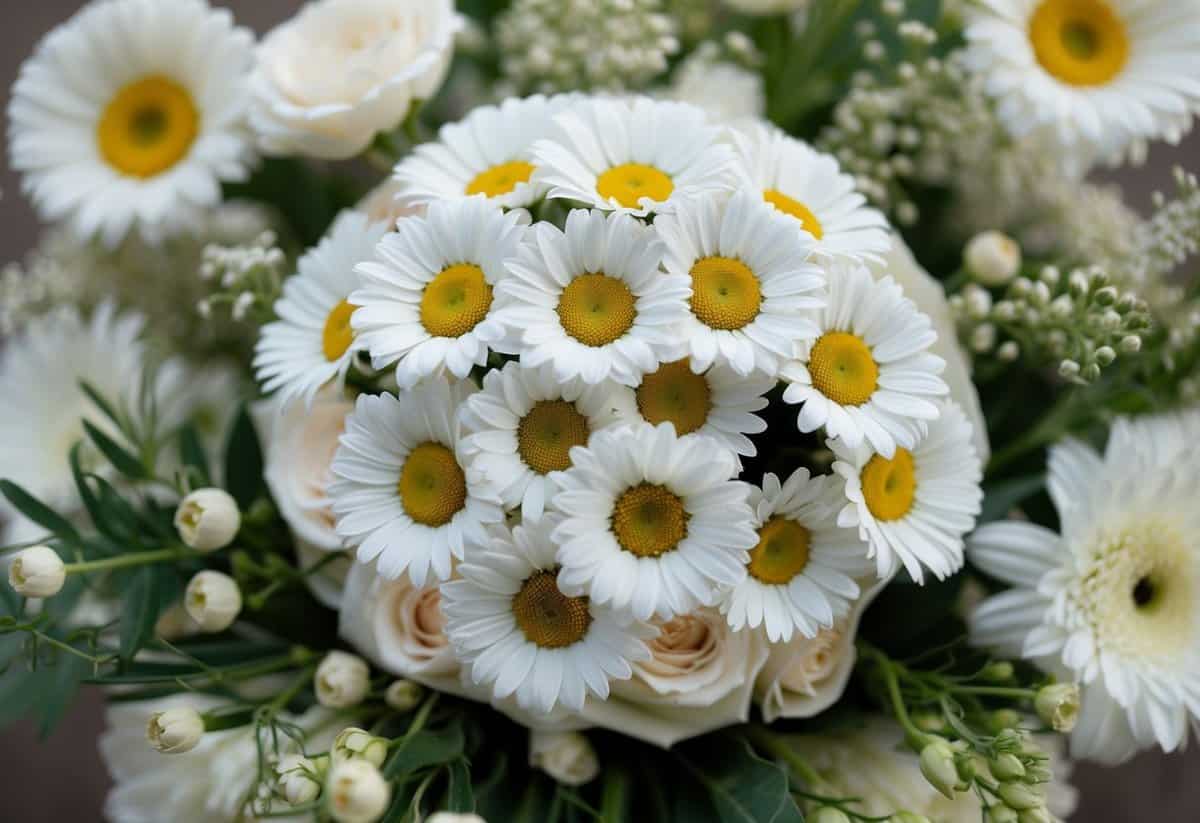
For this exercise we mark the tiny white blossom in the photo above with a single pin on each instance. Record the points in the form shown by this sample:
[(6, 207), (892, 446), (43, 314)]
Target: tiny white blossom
[(37, 572), (175, 730), (213, 600), (341, 680), (208, 519)]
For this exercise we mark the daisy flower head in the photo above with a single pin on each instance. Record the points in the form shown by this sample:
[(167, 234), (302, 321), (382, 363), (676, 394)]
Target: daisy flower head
[(914, 507), (651, 523), (520, 429), (516, 629), (591, 299), (752, 282), (869, 375), (312, 343), (810, 187), (632, 155), (801, 575), (426, 301), (131, 114), (1112, 600), (401, 491)]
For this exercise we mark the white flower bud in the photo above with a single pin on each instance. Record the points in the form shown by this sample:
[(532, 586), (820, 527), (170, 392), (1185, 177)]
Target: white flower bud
[(37, 572), (1131, 344), (208, 519), (568, 757), (213, 600), (1008, 352), (830, 814), (1068, 369), (357, 792), (341, 680), (1090, 373), (403, 695), (1002, 814), (1105, 355), (983, 338), (1058, 706), (452, 817), (908, 817), (1006, 766), (176, 730), (937, 764), (1020, 796), (299, 779), (358, 744), (1038, 814), (993, 258)]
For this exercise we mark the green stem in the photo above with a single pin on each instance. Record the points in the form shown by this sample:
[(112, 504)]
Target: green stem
[(612, 801), (916, 738), (994, 691), (767, 741), (132, 559)]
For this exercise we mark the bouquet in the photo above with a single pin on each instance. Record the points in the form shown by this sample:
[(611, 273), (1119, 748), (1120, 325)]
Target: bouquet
[(614, 410)]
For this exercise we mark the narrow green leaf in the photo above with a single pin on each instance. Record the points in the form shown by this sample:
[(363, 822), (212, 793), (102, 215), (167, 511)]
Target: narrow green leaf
[(101, 402), (459, 796), (243, 461), (39, 512), (63, 681), (145, 598), (428, 748), (192, 455), (122, 460)]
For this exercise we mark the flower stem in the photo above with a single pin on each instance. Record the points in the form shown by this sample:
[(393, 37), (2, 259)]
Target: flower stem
[(123, 561)]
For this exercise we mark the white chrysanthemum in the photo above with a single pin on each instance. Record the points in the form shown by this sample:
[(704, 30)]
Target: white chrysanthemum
[(651, 523), (426, 301), (131, 114), (869, 376), (340, 71), (592, 300), (751, 281), (401, 492), (637, 156), (1113, 600), (518, 631), (519, 430), (915, 507), (809, 186), (1103, 74), (802, 572), (312, 344)]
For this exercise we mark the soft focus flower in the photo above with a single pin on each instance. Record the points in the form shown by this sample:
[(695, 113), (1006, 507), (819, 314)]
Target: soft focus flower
[(937, 765), (37, 572), (299, 779), (356, 792), (727, 91), (208, 519), (341, 680), (1058, 706), (403, 695), (451, 817), (567, 757), (766, 6), (993, 258), (352, 743), (176, 730), (213, 600)]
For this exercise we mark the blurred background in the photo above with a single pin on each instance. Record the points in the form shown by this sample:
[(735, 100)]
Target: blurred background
[(62, 779)]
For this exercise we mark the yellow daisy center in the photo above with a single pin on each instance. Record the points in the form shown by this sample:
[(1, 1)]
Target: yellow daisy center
[(548, 617), (677, 395), (725, 293), (1080, 42), (546, 434), (596, 309), (500, 179), (789, 205), (432, 487), (843, 368), (782, 551), (649, 520), (148, 127), (630, 182), (455, 301), (337, 335), (889, 486)]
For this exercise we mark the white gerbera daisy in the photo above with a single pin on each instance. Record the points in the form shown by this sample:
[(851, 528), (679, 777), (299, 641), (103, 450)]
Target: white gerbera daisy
[(1101, 73), (520, 429), (637, 155), (802, 572), (131, 114), (401, 490), (809, 186), (592, 299), (312, 343), (518, 631), (651, 523), (869, 375), (426, 297), (1113, 600), (750, 278), (914, 507)]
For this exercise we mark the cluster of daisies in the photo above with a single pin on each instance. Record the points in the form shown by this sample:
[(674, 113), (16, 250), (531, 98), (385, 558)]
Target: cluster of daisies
[(567, 348)]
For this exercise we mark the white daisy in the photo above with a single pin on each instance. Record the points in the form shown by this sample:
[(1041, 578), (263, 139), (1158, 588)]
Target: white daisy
[(426, 300), (131, 114), (636, 155), (915, 507), (750, 279), (519, 430), (592, 299), (809, 186), (1101, 73), (1113, 599), (869, 375), (312, 344), (651, 523), (519, 632), (401, 492), (802, 572)]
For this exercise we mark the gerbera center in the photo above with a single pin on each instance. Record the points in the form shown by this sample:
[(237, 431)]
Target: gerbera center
[(596, 309), (843, 368), (1080, 42), (782, 551), (630, 182), (725, 293), (890, 486), (432, 487), (148, 127), (337, 335), (649, 520), (500, 179), (792, 206), (677, 395), (455, 301), (548, 617), (546, 434)]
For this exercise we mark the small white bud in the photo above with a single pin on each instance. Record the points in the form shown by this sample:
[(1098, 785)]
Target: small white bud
[(992, 257), (1058, 706), (568, 757), (830, 814), (983, 338), (1131, 344), (1038, 814), (213, 600), (341, 680), (208, 519), (353, 743), (1020, 796), (1002, 814), (357, 792), (299, 779), (1008, 352), (403, 695), (1105, 355), (908, 817), (1006, 766), (454, 817), (176, 730), (1068, 369), (937, 765), (37, 572)]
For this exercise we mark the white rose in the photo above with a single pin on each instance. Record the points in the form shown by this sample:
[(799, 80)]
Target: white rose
[(568, 757), (725, 90), (380, 205), (330, 78)]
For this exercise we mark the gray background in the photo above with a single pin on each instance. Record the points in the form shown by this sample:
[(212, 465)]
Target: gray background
[(63, 779)]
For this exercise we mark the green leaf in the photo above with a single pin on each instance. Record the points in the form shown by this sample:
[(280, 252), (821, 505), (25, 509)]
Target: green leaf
[(243, 461), (151, 591), (63, 681), (459, 797), (428, 748), (307, 200), (122, 460), (102, 404), (39, 512), (192, 455), (1000, 497), (738, 786)]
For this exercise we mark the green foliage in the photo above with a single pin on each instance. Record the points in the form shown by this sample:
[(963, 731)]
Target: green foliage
[(732, 784), (244, 462), (307, 198)]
